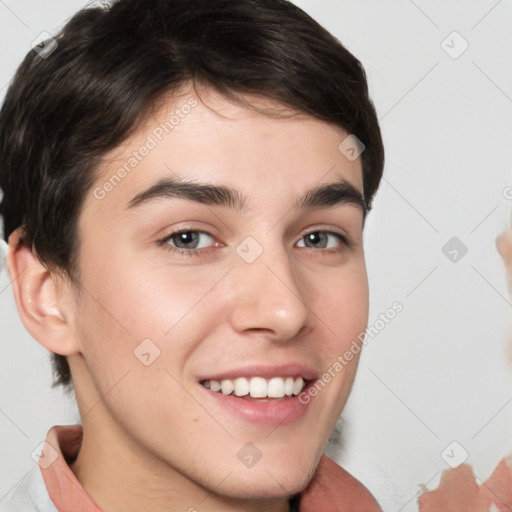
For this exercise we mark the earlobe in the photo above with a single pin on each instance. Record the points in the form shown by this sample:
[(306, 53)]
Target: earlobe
[(42, 306)]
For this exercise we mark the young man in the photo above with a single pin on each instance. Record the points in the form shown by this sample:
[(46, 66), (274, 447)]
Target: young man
[(185, 188)]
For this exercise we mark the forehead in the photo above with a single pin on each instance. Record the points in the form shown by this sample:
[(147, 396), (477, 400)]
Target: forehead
[(209, 139)]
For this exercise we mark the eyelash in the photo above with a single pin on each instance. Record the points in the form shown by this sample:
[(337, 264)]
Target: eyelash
[(345, 243)]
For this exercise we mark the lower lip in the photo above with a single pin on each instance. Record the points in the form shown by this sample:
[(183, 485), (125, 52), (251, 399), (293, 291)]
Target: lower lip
[(273, 412)]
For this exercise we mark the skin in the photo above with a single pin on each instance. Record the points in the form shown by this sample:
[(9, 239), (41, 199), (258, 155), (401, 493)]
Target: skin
[(151, 441)]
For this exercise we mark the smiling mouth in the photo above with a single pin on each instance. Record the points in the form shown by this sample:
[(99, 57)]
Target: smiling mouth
[(258, 388)]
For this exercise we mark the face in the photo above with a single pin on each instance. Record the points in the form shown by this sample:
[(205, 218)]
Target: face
[(184, 292)]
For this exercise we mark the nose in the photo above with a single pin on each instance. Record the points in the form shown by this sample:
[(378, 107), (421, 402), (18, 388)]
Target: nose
[(269, 297)]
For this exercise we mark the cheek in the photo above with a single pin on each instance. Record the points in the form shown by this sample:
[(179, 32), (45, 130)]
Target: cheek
[(133, 364), (345, 303), (130, 303), (146, 299)]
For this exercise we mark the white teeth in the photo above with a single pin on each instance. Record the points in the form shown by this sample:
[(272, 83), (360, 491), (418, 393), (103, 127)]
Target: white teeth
[(257, 387), (227, 386), (241, 386), (288, 386), (276, 387), (298, 385), (214, 385)]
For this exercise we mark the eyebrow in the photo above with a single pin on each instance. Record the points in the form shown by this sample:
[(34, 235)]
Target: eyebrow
[(322, 196)]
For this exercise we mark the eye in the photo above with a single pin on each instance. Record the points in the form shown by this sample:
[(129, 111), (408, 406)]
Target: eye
[(187, 242), (320, 238)]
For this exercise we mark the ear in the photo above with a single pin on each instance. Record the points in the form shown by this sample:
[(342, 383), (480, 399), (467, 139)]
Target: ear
[(44, 307)]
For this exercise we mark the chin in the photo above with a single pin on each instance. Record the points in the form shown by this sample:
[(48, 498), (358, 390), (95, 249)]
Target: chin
[(267, 486), (280, 480)]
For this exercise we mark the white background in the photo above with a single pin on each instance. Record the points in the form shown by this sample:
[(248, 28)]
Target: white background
[(439, 371)]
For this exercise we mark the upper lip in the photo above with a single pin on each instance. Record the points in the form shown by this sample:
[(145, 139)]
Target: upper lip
[(266, 371)]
